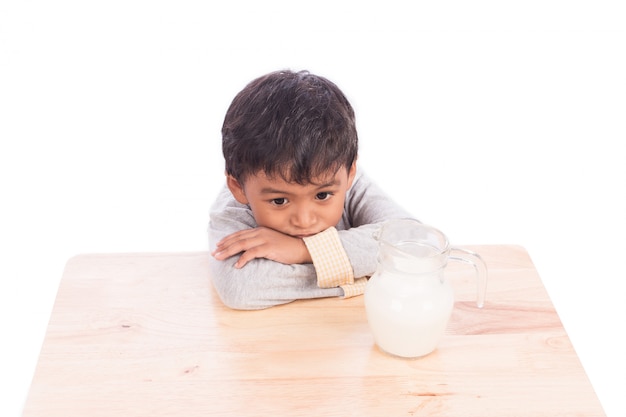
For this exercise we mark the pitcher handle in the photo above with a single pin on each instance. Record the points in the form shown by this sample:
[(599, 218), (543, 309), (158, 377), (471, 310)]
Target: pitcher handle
[(474, 259)]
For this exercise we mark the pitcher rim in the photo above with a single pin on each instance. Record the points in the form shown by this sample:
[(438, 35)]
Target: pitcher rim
[(446, 242)]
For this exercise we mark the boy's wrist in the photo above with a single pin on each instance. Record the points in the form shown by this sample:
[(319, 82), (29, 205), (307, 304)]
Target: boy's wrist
[(305, 255), (331, 262)]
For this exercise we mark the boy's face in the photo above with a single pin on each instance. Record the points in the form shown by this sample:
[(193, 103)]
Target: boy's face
[(294, 209)]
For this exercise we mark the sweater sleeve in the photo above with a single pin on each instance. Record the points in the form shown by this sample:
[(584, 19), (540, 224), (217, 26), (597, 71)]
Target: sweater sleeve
[(261, 283), (332, 264), (367, 208), (329, 259)]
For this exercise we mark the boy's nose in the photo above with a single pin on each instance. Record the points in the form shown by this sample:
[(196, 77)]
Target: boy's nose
[(303, 218)]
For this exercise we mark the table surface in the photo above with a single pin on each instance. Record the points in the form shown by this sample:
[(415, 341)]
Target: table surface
[(146, 335)]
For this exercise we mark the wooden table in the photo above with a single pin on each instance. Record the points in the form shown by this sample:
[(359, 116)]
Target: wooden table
[(146, 335)]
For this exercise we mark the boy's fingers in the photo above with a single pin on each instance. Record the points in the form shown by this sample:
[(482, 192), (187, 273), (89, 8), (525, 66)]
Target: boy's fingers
[(236, 237), (248, 255), (238, 245), (231, 250)]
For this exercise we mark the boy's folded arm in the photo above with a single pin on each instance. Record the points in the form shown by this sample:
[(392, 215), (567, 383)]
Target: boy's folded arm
[(367, 208), (262, 283), (335, 267), (332, 266), (361, 248)]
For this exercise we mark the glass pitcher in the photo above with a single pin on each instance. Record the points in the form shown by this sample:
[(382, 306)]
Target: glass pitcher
[(407, 300)]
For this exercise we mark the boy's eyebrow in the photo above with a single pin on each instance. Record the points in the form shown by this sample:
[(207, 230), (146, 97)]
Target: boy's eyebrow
[(270, 190), (330, 183)]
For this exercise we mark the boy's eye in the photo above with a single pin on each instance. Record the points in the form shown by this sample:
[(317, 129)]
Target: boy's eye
[(323, 196), (279, 201)]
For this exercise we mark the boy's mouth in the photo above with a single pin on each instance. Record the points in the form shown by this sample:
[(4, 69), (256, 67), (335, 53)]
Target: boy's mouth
[(303, 235)]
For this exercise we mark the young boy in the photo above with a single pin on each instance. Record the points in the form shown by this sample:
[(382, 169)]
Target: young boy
[(296, 219)]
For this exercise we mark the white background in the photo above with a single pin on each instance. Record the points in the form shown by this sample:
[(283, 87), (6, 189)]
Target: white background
[(497, 122)]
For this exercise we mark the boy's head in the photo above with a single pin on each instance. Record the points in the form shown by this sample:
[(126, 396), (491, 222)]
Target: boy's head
[(293, 125), (290, 144)]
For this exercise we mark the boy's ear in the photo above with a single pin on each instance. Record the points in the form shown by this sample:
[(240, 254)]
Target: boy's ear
[(351, 174), (236, 188)]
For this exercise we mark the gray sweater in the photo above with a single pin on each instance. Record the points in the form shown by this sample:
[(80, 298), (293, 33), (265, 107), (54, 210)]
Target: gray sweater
[(262, 283)]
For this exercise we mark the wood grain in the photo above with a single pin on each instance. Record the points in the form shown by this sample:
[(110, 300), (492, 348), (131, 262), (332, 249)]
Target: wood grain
[(145, 335)]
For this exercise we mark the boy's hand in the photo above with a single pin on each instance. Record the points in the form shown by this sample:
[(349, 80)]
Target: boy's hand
[(262, 242)]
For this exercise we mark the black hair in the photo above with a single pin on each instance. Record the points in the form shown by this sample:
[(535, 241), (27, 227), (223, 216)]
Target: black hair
[(296, 125)]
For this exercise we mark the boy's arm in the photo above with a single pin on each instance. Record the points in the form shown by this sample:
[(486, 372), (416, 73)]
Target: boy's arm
[(344, 258), (261, 283), (367, 207)]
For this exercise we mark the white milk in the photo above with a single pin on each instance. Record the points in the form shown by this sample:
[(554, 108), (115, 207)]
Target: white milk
[(407, 300), (408, 312)]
